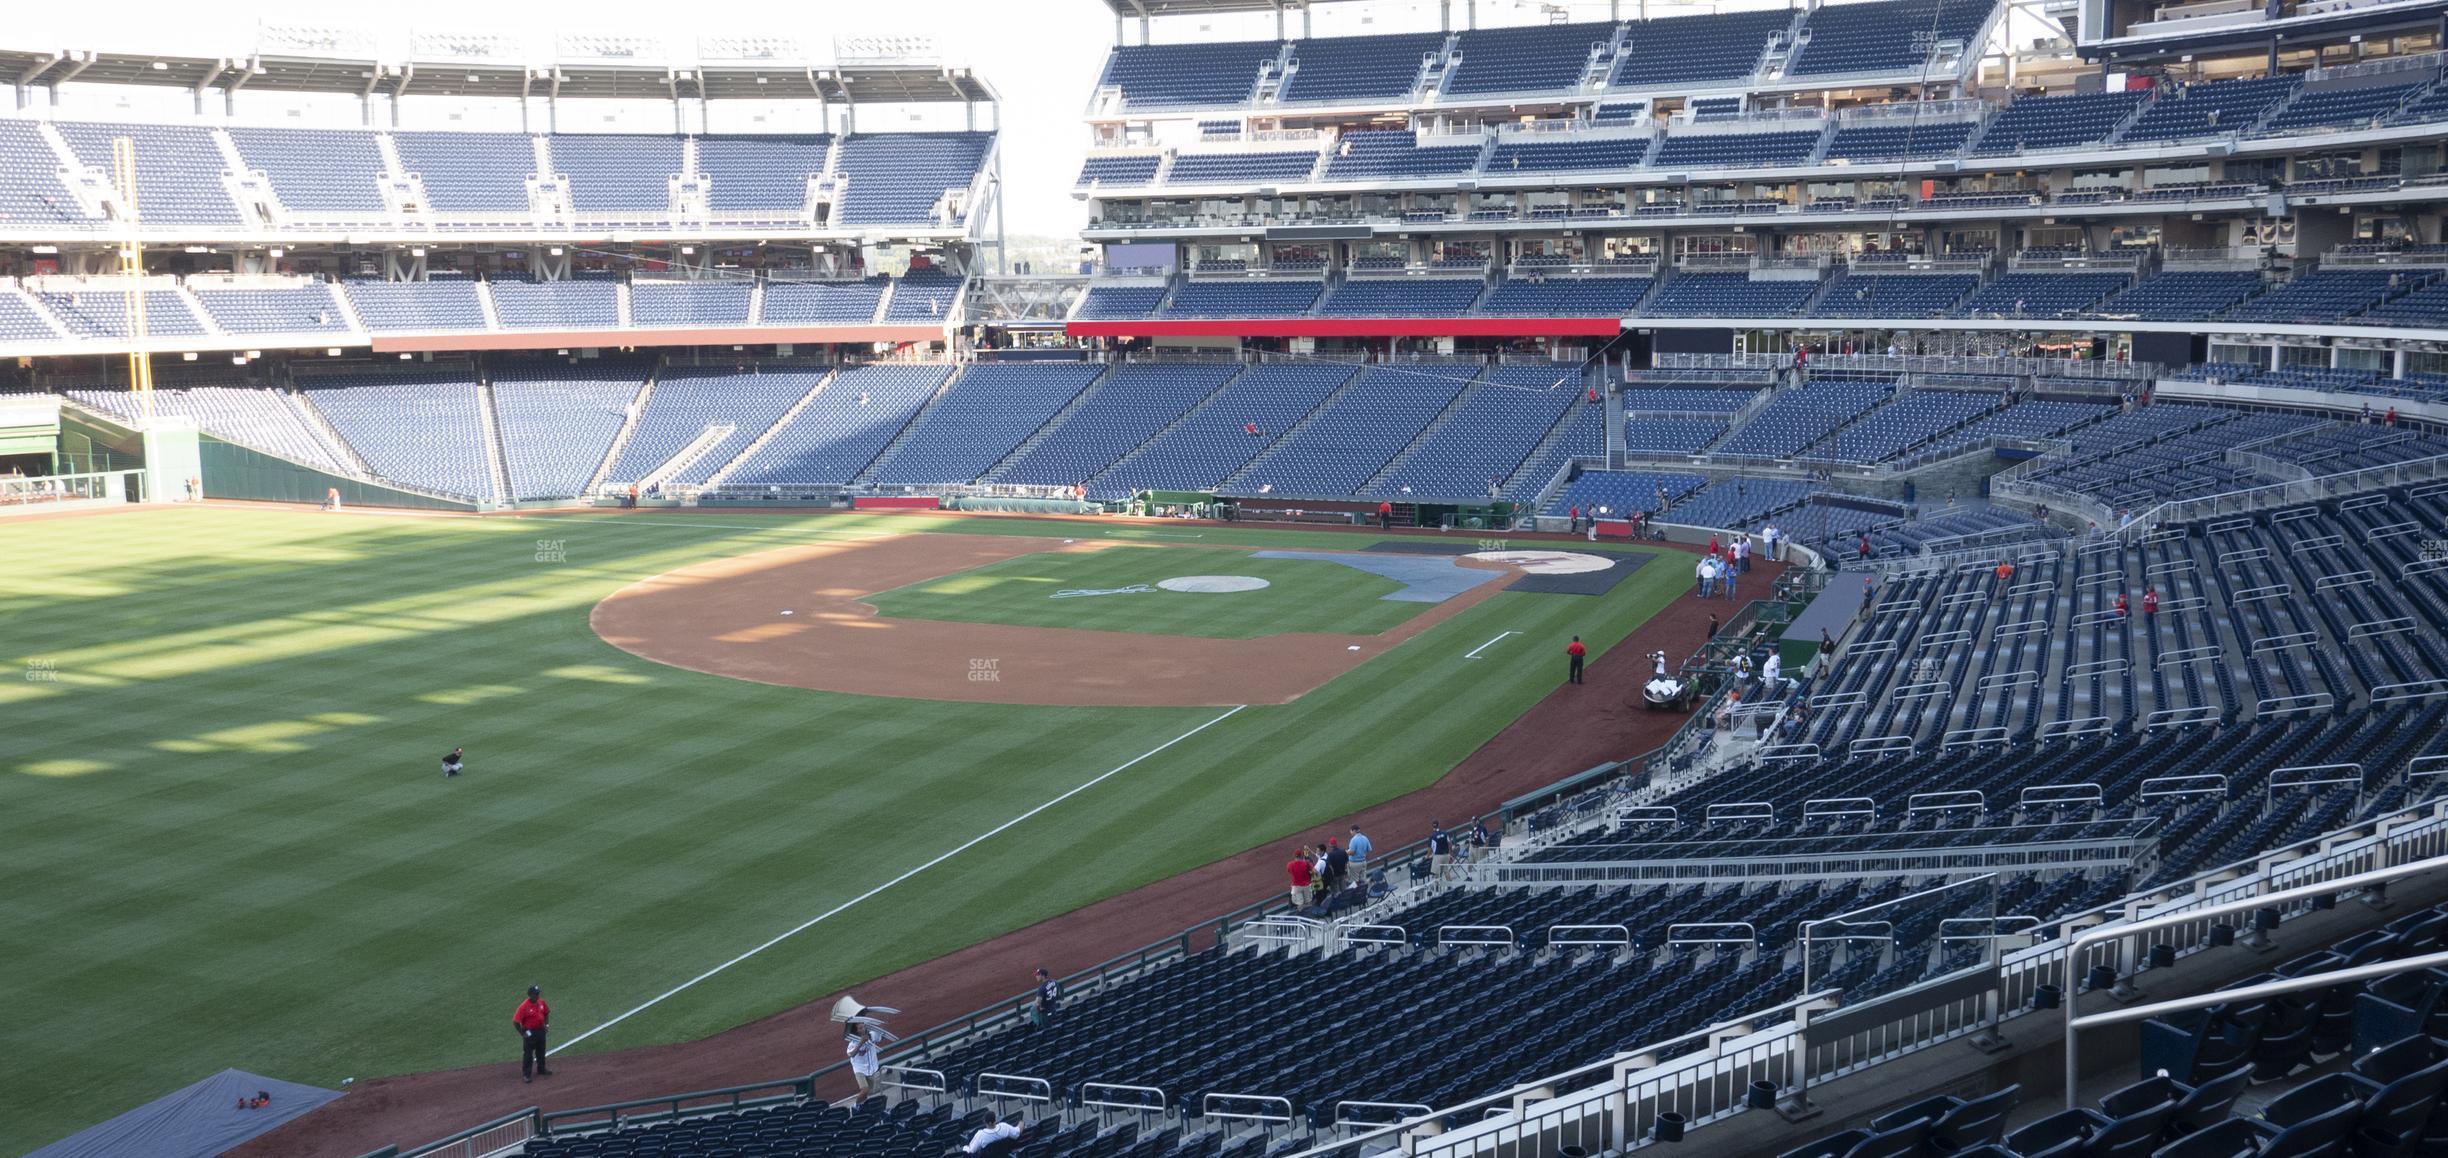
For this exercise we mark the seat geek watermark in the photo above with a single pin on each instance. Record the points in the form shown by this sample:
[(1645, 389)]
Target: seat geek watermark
[(552, 551), (41, 671), (985, 671)]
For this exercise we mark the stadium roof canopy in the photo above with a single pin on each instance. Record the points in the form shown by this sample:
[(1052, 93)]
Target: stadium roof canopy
[(1142, 8), (481, 64)]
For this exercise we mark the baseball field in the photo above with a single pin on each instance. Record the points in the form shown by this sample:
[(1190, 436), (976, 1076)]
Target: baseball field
[(717, 765)]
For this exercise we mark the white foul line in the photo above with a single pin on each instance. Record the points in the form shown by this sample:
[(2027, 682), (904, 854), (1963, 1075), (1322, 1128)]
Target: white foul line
[(972, 842), (1474, 652)]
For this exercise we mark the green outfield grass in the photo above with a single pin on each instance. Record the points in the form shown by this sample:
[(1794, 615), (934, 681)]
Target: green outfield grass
[(1302, 595), (226, 840)]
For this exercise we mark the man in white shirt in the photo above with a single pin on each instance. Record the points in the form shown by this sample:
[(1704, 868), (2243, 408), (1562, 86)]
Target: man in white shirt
[(1772, 674), (996, 1138), (861, 1046), (1706, 570)]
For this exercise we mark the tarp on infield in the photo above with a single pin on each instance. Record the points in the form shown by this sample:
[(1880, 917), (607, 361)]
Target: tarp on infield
[(197, 1122)]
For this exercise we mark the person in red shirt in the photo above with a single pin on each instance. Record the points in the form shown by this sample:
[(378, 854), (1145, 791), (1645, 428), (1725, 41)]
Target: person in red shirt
[(1863, 547), (532, 1016), (2005, 578), (1299, 868), (1577, 653), (2391, 419), (1250, 428), (1385, 515), (2122, 609), (1572, 520), (2150, 602), (1713, 548), (1593, 395)]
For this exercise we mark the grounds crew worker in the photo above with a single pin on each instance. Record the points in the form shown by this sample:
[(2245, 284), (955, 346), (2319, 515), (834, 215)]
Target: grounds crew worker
[(1578, 653), (530, 1020)]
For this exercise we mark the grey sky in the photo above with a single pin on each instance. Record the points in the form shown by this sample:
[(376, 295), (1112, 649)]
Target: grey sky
[(1041, 55)]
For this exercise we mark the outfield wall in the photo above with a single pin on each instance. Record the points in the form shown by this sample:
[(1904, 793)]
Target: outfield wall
[(232, 471)]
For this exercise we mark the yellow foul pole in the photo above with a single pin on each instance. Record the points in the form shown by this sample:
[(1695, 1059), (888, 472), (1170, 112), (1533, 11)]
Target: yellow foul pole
[(131, 266)]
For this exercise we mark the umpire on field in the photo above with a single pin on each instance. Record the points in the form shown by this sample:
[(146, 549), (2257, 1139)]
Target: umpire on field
[(532, 1016)]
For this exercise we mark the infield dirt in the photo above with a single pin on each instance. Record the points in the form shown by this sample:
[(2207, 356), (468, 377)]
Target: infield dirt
[(724, 617)]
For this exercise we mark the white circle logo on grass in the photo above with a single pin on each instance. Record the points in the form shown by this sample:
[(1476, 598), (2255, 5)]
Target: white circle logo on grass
[(1213, 584), (1546, 562)]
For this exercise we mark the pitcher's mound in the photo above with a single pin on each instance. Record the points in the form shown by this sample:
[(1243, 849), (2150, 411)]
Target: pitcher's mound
[(1213, 584)]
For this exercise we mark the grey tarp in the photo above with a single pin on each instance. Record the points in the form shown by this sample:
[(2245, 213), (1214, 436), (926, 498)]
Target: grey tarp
[(197, 1122)]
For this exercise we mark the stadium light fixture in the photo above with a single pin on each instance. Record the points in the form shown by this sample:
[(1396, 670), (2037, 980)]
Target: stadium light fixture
[(161, 66), (46, 249), (331, 352), (188, 356)]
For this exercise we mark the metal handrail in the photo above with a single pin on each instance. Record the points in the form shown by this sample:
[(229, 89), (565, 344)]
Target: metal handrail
[(2129, 930)]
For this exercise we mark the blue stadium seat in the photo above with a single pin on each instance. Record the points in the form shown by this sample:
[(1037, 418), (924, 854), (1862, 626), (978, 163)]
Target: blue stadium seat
[(316, 171), (1357, 69), (178, 172), (618, 175), (417, 306), (708, 302), (761, 178), (1677, 51), (1884, 36), (1187, 75), (1731, 295), (1396, 155), (472, 173), (1402, 297), (2031, 124), (988, 410), (1533, 58), (898, 178)]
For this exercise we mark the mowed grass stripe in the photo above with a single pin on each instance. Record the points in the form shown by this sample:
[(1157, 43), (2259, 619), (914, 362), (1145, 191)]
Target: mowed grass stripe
[(236, 847)]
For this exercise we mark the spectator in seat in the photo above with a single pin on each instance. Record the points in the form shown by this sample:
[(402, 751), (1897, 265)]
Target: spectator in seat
[(997, 1138), (1049, 1000)]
